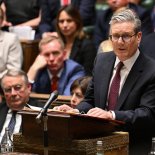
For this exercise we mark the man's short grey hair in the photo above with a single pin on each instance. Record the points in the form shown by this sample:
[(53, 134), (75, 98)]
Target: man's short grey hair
[(15, 73), (127, 15)]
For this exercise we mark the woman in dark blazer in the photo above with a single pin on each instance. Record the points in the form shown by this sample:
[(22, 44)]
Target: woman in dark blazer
[(50, 10), (70, 29)]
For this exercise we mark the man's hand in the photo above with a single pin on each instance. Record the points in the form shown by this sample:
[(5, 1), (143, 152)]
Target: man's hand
[(39, 62), (98, 112), (6, 23)]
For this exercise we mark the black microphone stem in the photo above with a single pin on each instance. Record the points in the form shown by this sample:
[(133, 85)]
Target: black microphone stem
[(43, 111), (45, 136)]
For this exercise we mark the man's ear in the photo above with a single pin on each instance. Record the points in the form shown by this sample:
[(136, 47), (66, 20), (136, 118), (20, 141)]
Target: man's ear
[(139, 35), (29, 86), (64, 54)]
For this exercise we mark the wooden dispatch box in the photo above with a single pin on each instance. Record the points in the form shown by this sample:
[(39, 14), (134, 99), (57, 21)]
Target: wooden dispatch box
[(70, 134)]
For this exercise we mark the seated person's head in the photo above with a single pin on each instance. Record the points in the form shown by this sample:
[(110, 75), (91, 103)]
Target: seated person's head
[(78, 89), (16, 89), (52, 48), (114, 5), (69, 23)]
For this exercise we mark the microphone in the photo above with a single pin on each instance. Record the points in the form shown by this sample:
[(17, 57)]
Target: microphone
[(52, 97)]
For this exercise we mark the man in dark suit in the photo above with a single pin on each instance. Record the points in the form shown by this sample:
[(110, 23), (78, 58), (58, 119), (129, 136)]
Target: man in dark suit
[(133, 100), (51, 64), (16, 90), (50, 9), (101, 30)]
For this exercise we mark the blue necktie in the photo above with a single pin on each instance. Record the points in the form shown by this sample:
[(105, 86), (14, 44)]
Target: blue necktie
[(11, 125)]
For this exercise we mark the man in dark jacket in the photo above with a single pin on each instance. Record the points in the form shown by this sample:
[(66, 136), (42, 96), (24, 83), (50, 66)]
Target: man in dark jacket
[(16, 90)]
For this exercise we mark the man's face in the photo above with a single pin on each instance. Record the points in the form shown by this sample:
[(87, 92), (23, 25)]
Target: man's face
[(124, 40), (16, 92), (54, 56), (116, 4)]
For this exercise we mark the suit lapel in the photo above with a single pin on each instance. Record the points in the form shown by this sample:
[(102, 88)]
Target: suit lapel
[(75, 49), (3, 111), (105, 78), (133, 76), (63, 79), (46, 80)]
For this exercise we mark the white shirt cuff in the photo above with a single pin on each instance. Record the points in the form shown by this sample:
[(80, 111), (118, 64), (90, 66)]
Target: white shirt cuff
[(113, 115), (31, 81)]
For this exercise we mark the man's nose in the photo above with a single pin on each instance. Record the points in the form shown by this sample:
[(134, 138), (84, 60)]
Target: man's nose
[(51, 57), (120, 40), (13, 91)]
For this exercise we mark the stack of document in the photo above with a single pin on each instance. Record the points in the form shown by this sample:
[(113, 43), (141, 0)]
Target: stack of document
[(23, 32)]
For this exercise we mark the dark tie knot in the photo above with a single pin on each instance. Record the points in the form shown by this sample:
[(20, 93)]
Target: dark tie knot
[(120, 65), (54, 84), (55, 78), (14, 113)]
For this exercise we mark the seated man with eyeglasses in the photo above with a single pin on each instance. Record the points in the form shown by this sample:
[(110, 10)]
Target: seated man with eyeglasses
[(16, 90), (123, 84)]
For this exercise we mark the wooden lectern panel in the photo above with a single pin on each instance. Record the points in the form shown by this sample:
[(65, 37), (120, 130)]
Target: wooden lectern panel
[(65, 126), (70, 134)]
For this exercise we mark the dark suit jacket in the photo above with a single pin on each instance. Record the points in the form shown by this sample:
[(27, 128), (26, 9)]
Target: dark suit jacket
[(84, 52), (101, 31), (50, 9), (147, 45), (71, 71), (4, 110), (136, 103)]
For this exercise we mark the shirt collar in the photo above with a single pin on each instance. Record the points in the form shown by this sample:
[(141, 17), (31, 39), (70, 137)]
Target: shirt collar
[(58, 75), (129, 62), (10, 111)]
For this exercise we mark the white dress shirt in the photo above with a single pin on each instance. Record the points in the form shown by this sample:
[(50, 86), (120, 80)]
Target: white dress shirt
[(123, 73), (6, 123), (18, 122)]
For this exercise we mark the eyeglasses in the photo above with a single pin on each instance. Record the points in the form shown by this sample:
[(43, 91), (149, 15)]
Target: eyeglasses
[(17, 88), (125, 37)]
